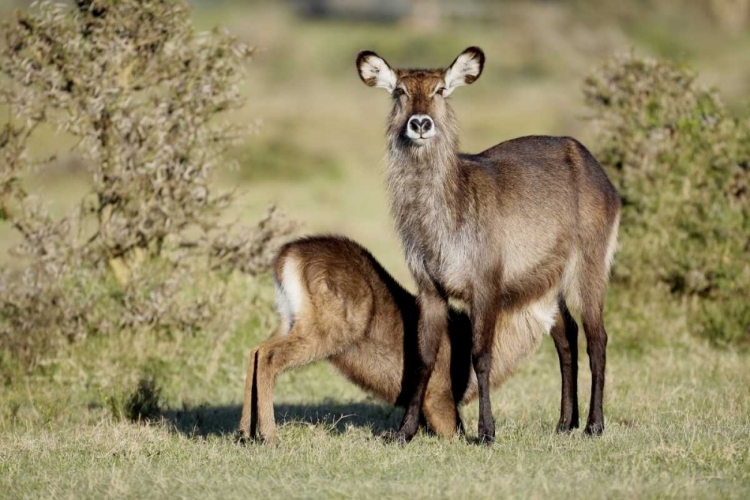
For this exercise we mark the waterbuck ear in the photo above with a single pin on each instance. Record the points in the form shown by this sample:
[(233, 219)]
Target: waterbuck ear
[(465, 69), (375, 72)]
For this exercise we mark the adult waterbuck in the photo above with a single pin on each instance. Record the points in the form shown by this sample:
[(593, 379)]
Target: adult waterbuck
[(336, 302), (528, 225)]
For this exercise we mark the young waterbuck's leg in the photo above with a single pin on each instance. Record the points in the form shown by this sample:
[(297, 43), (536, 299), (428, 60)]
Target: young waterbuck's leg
[(565, 334), (277, 354), (433, 325), (249, 420), (441, 414), (440, 408)]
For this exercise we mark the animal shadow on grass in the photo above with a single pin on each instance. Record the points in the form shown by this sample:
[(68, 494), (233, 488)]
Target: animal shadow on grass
[(208, 420)]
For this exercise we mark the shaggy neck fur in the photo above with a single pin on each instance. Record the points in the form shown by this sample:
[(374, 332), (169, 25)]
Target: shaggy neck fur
[(423, 181)]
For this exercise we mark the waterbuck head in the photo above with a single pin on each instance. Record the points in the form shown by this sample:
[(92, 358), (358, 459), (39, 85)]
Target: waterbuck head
[(420, 112)]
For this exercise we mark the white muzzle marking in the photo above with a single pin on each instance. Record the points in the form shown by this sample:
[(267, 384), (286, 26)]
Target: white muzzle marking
[(420, 128)]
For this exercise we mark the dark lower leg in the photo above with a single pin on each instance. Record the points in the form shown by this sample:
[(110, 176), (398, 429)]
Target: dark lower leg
[(565, 335), (596, 346), (482, 366), (483, 318), (410, 422)]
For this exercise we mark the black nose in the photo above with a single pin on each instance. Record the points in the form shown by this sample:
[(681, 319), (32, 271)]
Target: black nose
[(414, 125), (420, 126)]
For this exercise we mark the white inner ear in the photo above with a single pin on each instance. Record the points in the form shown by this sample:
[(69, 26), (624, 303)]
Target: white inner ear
[(455, 76), (375, 67)]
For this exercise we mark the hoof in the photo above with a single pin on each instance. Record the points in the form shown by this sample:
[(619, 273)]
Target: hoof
[(245, 438), (406, 433), (564, 427), (242, 437), (487, 439), (270, 441), (402, 438), (486, 433), (594, 429), (391, 437)]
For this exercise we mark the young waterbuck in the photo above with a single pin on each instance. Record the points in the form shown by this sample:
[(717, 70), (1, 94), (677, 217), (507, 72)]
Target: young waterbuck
[(336, 302), (526, 225)]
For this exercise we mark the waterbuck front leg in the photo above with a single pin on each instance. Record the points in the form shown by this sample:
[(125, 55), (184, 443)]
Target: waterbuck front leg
[(432, 326), (485, 307), (565, 334)]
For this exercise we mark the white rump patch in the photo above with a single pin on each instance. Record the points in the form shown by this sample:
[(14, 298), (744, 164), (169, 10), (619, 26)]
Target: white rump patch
[(544, 313), (283, 308), (571, 286), (612, 245), (289, 294)]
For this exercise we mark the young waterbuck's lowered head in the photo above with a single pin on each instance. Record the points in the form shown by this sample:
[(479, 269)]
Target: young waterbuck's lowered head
[(336, 302), (527, 227)]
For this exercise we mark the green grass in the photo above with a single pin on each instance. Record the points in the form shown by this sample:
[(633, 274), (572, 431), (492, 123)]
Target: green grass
[(678, 425)]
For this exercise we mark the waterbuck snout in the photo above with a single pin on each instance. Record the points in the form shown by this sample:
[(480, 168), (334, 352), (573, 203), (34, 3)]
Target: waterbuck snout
[(419, 109), (420, 128)]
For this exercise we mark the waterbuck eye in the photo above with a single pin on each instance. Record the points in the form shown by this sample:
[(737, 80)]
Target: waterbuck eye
[(398, 93), (440, 91)]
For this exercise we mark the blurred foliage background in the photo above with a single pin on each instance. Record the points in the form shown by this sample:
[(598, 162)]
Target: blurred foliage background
[(667, 116)]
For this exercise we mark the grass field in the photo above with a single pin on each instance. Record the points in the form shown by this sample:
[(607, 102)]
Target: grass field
[(677, 410), (678, 425)]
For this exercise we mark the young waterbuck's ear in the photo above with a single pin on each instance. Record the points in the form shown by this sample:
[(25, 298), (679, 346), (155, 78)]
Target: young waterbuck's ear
[(465, 69), (375, 72)]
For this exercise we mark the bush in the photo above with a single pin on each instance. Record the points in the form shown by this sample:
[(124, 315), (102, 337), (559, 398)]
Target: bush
[(144, 96), (681, 162)]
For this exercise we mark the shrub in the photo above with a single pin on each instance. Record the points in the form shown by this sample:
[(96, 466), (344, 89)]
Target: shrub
[(144, 96), (145, 402), (681, 162)]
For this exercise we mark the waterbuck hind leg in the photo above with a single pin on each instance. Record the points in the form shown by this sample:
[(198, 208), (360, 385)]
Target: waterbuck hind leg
[(565, 334), (248, 427), (249, 420), (592, 317), (596, 346), (277, 354)]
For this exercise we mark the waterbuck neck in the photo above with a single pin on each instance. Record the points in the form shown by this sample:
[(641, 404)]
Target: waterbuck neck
[(426, 175)]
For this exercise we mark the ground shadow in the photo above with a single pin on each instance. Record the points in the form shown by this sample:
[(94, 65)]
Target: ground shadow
[(209, 420)]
